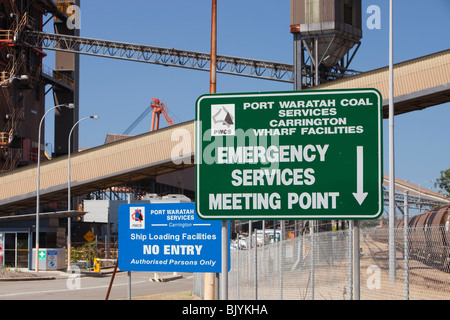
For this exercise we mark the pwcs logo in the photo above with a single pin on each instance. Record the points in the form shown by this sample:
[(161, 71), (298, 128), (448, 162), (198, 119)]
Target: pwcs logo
[(137, 215), (222, 120)]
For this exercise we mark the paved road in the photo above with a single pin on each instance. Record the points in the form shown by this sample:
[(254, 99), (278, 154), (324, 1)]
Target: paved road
[(91, 288)]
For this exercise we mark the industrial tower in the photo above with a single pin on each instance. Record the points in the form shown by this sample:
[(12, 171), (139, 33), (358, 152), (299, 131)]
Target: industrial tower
[(327, 35), (24, 78)]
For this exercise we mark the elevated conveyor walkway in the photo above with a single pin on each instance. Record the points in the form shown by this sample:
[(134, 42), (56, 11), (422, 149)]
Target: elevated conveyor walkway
[(419, 83), (125, 161)]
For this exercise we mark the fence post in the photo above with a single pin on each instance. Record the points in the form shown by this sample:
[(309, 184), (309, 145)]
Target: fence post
[(282, 254), (350, 258), (280, 266), (250, 245), (406, 244), (301, 243), (312, 225), (238, 267), (356, 258), (255, 277)]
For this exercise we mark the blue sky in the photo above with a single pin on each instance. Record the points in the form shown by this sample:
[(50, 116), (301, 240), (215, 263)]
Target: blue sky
[(119, 91)]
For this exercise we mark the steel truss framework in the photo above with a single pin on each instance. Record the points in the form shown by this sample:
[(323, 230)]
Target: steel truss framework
[(163, 56), (414, 202), (312, 69)]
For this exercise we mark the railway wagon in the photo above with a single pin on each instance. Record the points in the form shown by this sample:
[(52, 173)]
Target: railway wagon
[(429, 236)]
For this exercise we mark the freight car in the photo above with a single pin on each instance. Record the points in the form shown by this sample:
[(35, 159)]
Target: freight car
[(429, 236)]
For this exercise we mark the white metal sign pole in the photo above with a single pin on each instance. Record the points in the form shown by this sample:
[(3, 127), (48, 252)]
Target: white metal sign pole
[(224, 276), (128, 272), (391, 151)]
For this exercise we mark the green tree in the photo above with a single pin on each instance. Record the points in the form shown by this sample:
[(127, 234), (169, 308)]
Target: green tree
[(443, 182)]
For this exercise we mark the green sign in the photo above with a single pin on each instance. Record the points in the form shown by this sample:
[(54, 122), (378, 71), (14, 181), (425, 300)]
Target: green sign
[(289, 155), (42, 255)]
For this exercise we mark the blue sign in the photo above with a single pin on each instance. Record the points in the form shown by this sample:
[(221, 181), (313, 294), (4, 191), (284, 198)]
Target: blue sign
[(168, 237)]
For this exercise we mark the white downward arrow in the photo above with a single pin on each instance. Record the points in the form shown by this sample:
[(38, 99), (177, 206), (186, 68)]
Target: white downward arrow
[(359, 194)]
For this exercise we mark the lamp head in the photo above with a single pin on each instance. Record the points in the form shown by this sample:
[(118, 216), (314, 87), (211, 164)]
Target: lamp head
[(95, 117)]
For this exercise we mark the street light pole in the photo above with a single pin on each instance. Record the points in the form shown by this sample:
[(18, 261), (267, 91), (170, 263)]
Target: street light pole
[(69, 197), (70, 106)]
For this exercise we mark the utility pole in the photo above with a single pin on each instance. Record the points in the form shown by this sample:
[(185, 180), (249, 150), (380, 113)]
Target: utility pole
[(210, 278)]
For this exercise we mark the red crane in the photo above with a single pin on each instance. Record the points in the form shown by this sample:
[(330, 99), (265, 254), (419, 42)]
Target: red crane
[(158, 108)]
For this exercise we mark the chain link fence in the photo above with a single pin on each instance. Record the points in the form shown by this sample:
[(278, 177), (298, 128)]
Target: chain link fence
[(319, 266)]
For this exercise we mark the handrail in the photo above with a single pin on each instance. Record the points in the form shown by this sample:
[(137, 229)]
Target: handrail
[(6, 35), (4, 136), (58, 75)]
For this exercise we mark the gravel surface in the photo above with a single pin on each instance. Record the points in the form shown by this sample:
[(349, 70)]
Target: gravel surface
[(11, 274)]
